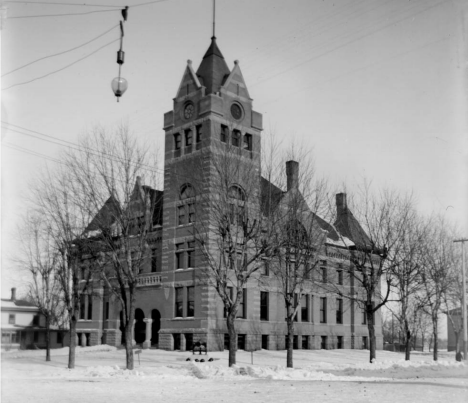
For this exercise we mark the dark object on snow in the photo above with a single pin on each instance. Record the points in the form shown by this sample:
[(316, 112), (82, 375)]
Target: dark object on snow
[(210, 360), (188, 359), (202, 360), (199, 347), (197, 360), (459, 356)]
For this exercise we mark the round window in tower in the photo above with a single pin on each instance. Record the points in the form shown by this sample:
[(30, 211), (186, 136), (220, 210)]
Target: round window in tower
[(236, 111)]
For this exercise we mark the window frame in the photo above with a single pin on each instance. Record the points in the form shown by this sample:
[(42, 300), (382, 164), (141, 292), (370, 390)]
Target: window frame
[(247, 143), (178, 302), (224, 134), (323, 309), (339, 311), (264, 306), (177, 141), (190, 302), (236, 138), (11, 319)]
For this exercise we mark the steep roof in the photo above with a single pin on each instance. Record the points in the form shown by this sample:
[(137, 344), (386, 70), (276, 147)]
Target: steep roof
[(105, 216), (270, 196), (213, 69), (8, 303), (349, 227)]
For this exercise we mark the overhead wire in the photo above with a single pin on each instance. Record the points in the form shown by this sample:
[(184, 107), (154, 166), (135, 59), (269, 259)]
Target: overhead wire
[(59, 4), (62, 15), (61, 53), (63, 68), (347, 43)]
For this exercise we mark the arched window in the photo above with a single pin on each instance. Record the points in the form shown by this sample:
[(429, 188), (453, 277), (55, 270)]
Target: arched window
[(186, 191), (237, 204), (235, 192), (186, 211)]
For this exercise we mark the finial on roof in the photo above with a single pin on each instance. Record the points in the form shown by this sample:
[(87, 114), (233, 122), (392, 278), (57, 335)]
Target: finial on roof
[(189, 61), (236, 61), (214, 18)]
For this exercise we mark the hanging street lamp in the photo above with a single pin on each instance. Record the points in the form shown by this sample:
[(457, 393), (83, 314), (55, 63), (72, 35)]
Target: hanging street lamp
[(119, 84)]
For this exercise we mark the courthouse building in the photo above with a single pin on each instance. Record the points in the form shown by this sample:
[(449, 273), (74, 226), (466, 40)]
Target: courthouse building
[(173, 309)]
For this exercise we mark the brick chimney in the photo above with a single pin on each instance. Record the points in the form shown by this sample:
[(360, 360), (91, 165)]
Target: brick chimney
[(13, 294), (292, 174), (341, 205)]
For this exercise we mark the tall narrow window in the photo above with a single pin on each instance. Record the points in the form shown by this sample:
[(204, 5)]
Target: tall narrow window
[(90, 307), (364, 315), (364, 343), (107, 310), (236, 135), (181, 215), (190, 301), (199, 136), (224, 135), (305, 308), (188, 141), (340, 276), (191, 254), (324, 274), (179, 256), (154, 261), (323, 310), (82, 306), (263, 305), (179, 302), (191, 212), (241, 311), (248, 142), (11, 319), (177, 141), (339, 310)]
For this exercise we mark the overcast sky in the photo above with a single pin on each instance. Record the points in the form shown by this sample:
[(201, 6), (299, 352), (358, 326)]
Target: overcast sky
[(375, 86)]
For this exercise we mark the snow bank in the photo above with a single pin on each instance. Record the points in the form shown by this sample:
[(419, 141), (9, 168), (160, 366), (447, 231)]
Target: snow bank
[(56, 351), (207, 371)]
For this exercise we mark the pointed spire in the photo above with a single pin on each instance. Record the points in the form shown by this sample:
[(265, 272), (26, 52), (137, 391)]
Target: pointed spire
[(213, 68)]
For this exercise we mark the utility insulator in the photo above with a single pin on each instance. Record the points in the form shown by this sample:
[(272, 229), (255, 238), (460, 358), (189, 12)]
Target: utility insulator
[(120, 57)]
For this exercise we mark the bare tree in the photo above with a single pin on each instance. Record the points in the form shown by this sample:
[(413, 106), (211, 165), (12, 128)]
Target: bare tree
[(438, 272), (374, 242), (299, 237), (66, 221), (106, 176), (221, 186), (40, 258), (406, 275)]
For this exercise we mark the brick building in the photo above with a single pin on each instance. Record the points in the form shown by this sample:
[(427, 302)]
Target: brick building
[(213, 106)]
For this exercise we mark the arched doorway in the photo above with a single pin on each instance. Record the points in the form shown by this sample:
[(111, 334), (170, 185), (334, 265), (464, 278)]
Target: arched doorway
[(155, 327), (140, 326)]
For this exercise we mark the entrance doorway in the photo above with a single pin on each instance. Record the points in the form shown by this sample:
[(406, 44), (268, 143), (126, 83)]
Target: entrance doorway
[(140, 326), (155, 327)]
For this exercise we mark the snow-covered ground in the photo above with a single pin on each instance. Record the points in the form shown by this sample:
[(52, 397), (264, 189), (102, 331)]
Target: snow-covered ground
[(321, 375)]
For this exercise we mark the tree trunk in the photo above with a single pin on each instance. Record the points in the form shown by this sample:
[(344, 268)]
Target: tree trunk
[(457, 342), (71, 352), (434, 336), (47, 338), (371, 329), (407, 341), (232, 339), (289, 352)]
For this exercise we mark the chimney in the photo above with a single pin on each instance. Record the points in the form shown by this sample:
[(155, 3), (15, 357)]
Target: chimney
[(13, 294), (341, 205), (292, 175)]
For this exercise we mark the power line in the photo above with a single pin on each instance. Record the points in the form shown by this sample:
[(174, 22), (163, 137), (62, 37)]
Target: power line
[(62, 15), (63, 68), (61, 53), (74, 146), (348, 42), (60, 4)]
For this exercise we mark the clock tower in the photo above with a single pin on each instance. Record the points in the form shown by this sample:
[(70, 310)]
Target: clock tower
[(212, 114)]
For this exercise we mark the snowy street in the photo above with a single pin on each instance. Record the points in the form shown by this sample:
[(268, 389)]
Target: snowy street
[(321, 375)]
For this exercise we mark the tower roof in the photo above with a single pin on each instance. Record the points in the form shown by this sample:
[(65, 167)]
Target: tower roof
[(213, 69)]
